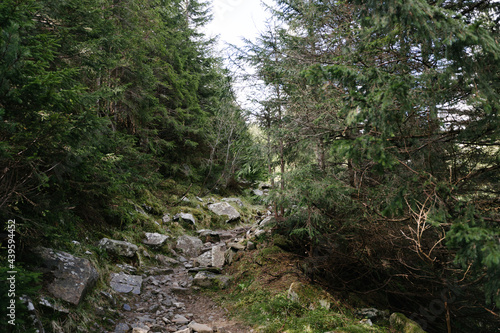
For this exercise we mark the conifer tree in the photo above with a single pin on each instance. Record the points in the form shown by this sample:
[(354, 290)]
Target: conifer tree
[(399, 102)]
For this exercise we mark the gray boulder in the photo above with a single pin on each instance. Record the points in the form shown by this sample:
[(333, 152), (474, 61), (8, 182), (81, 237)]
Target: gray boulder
[(258, 193), (124, 283), (213, 258), (236, 246), (189, 245), (167, 261), (209, 236), (207, 280), (154, 239), (223, 208), (185, 217), (204, 260), (120, 248), (166, 218), (218, 256), (122, 328), (73, 276), (250, 246), (225, 236)]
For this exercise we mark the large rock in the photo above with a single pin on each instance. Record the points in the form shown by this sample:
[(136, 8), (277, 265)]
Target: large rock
[(213, 258), (209, 236), (223, 208), (204, 260), (258, 193), (120, 248), (185, 217), (402, 324), (308, 295), (209, 280), (189, 245), (154, 240), (124, 283), (73, 276), (218, 256), (236, 246)]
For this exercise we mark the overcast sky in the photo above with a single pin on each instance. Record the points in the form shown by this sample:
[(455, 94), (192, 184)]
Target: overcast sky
[(234, 19)]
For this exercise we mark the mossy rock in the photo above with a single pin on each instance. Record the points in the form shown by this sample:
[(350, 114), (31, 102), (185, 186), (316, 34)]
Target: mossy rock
[(308, 296), (282, 242), (402, 324)]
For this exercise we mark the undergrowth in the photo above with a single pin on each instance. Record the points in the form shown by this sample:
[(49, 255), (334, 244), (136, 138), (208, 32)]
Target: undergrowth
[(259, 296)]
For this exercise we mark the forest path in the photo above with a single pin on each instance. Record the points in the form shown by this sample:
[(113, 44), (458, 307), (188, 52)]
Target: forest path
[(171, 299)]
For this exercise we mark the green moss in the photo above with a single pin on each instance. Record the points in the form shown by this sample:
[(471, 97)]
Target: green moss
[(404, 325), (282, 241)]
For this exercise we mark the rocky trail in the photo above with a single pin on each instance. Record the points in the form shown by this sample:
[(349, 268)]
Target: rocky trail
[(153, 293), (169, 300)]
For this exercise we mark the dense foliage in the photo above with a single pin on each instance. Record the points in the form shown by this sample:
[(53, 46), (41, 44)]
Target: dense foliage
[(99, 99), (385, 125)]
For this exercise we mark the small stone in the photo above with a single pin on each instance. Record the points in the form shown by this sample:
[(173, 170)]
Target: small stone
[(366, 322), (139, 330), (200, 328), (250, 246), (122, 328), (166, 218), (178, 305), (186, 330), (126, 307), (181, 320)]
